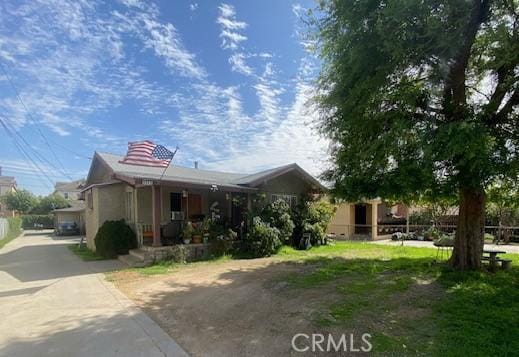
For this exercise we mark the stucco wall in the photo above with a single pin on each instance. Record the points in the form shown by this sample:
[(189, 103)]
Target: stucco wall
[(343, 221), (108, 204), (91, 216)]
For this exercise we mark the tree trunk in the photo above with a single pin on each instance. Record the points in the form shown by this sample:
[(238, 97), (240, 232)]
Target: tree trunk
[(468, 244)]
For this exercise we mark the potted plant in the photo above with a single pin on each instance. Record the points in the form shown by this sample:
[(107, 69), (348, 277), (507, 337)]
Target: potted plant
[(197, 233), (187, 233)]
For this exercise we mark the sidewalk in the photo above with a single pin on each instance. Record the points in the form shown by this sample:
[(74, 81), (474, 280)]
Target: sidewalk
[(54, 304)]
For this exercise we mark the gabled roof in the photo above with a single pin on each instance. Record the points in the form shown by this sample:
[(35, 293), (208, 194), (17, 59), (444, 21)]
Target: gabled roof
[(188, 175), (258, 178), (69, 186)]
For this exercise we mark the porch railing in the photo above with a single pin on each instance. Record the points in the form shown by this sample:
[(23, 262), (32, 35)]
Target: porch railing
[(142, 229)]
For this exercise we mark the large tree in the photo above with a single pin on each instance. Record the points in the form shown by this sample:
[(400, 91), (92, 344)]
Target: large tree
[(420, 99), (49, 203), (21, 200)]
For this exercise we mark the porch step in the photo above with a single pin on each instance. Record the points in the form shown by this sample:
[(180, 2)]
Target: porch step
[(140, 254), (132, 261)]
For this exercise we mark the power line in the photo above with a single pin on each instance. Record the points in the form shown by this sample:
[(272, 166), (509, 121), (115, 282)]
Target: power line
[(18, 96), (23, 152), (36, 153), (31, 172)]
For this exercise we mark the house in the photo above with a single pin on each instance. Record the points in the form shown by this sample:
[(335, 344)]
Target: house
[(74, 214), (7, 185), (372, 219), (69, 190), (377, 219), (156, 202)]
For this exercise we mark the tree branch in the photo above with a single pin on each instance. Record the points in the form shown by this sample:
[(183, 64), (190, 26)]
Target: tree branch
[(455, 96)]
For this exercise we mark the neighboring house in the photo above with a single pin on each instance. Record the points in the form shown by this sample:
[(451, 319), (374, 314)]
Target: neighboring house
[(373, 219), (69, 190), (356, 219), (74, 214), (157, 202), (7, 185)]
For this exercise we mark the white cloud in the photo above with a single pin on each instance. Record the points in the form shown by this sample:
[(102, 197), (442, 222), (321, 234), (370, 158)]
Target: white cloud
[(193, 6), (237, 61), (75, 68), (229, 34), (166, 42)]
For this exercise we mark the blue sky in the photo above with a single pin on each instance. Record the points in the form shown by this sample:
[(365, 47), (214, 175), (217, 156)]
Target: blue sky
[(228, 82)]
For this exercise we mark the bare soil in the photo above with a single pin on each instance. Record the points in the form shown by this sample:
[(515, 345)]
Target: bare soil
[(234, 308)]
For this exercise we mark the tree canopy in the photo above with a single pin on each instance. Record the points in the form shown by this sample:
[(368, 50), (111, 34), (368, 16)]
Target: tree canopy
[(21, 200), (420, 99), (49, 203)]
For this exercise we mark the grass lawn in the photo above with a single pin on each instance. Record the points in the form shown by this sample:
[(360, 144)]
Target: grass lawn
[(84, 253), (410, 304), (413, 304)]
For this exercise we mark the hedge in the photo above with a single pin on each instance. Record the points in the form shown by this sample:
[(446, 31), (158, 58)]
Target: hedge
[(15, 230), (29, 220)]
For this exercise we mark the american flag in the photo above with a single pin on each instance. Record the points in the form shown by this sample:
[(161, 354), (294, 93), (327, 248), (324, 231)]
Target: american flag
[(146, 153)]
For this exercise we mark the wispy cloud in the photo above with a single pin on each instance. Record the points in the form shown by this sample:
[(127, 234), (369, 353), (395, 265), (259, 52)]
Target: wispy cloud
[(230, 26), (76, 67), (237, 61)]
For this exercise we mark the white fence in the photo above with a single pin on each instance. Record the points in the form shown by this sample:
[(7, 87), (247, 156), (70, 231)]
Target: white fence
[(4, 228)]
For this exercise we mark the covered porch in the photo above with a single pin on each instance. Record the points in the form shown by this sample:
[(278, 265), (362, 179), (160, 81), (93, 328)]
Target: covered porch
[(159, 210)]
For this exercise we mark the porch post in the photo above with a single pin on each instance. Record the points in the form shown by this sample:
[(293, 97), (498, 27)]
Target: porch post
[(374, 220), (156, 214)]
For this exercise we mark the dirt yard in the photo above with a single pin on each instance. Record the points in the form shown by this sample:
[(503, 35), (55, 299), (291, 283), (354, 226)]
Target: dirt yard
[(234, 308)]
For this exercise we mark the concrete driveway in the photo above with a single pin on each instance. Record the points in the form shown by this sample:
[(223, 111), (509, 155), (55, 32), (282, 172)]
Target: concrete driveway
[(54, 304)]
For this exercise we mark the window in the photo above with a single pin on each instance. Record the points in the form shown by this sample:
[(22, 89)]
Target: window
[(175, 200), (129, 206), (90, 201), (65, 195), (291, 200)]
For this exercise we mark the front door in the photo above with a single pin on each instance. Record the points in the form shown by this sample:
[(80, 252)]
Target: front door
[(360, 219), (192, 207)]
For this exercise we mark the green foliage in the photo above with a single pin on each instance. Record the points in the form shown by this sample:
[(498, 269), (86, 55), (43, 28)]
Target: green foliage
[(188, 231), (21, 200), (50, 203), (400, 95), (420, 218), (15, 229), (30, 220), (278, 214), (503, 203), (114, 238), (312, 217), (262, 239), (223, 243)]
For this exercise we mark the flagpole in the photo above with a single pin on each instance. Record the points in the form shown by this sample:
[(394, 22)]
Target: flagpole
[(169, 163)]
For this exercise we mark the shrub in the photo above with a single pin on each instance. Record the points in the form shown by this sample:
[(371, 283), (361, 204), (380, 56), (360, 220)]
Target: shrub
[(313, 217), (14, 230), (114, 238), (29, 220), (489, 237), (278, 214), (262, 239), (223, 243), (432, 234)]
